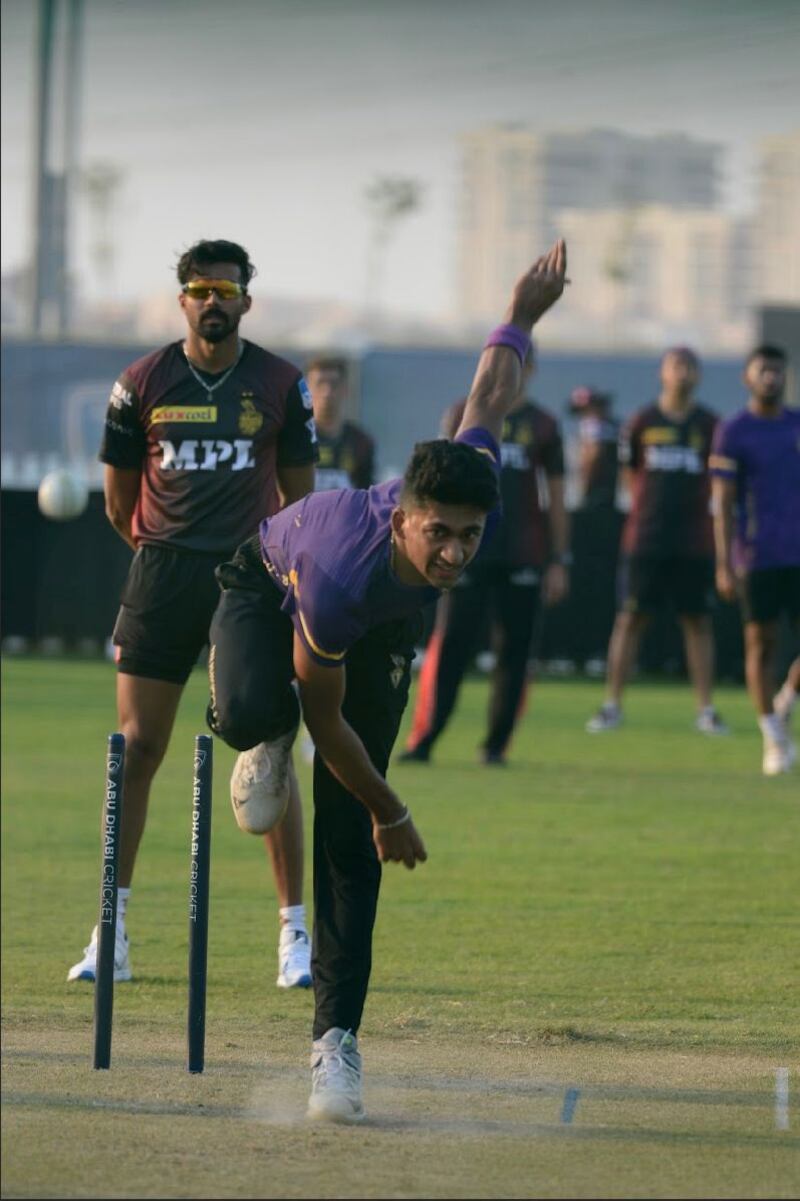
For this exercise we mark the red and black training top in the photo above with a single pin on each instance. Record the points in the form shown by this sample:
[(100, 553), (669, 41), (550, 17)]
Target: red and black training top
[(531, 448), (208, 462), (670, 496)]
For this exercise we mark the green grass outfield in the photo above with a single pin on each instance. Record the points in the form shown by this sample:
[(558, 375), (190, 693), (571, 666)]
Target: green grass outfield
[(616, 915)]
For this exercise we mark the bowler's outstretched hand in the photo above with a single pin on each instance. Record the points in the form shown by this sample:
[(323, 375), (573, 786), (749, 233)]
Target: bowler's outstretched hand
[(539, 288)]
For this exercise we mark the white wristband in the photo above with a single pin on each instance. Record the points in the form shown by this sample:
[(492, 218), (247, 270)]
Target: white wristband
[(400, 821)]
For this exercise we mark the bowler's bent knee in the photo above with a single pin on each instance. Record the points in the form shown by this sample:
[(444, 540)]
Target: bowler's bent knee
[(243, 723)]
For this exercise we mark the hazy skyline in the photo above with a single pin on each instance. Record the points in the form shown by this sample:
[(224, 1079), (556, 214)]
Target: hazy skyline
[(266, 121)]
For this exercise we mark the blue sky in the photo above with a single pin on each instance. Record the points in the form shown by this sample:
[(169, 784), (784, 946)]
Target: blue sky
[(264, 120)]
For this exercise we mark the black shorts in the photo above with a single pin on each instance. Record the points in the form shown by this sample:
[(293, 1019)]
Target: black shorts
[(647, 584), (167, 604), (251, 665), (766, 594)]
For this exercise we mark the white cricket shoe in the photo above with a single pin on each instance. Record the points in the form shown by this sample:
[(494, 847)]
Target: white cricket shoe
[(335, 1078), (783, 703), (86, 968), (709, 722), (779, 757), (607, 717), (260, 784), (294, 959)]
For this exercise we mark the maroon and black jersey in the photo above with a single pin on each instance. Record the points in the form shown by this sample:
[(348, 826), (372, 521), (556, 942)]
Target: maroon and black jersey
[(346, 461), (208, 461), (600, 477), (531, 450), (670, 510)]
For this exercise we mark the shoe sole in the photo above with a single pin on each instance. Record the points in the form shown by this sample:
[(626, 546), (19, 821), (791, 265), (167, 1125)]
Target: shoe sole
[(89, 977), (303, 982), (337, 1119), (784, 770)]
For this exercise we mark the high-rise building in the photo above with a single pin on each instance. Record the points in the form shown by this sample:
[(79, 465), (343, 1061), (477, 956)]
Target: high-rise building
[(778, 220), (515, 182), (655, 274)]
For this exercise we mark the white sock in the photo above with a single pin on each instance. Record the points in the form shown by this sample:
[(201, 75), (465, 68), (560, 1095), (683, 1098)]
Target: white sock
[(786, 697), (772, 727), (293, 917)]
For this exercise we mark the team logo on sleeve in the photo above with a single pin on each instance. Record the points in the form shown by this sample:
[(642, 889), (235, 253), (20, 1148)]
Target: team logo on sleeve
[(119, 396), (398, 670), (305, 393), (250, 420)]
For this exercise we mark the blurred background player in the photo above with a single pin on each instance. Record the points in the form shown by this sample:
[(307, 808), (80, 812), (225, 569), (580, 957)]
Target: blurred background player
[(527, 560), (756, 481), (201, 438), (346, 451), (598, 438), (667, 540), (596, 522)]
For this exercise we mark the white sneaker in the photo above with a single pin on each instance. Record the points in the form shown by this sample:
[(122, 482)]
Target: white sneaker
[(607, 717), (260, 784), (86, 968), (709, 722), (783, 703), (335, 1078), (294, 959), (779, 757)]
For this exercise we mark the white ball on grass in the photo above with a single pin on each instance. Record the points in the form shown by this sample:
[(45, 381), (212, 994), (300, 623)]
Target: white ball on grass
[(63, 495)]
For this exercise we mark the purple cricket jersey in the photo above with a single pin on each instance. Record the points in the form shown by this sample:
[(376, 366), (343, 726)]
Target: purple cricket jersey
[(762, 454), (330, 555)]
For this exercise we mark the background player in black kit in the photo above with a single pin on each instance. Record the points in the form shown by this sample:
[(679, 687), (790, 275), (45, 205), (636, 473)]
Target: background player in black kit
[(667, 541), (202, 438), (346, 451), (597, 522), (527, 559)]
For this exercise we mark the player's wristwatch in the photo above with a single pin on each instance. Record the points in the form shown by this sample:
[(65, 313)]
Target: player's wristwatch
[(564, 560)]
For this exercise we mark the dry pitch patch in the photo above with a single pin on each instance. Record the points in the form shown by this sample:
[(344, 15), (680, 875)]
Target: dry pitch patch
[(461, 1119)]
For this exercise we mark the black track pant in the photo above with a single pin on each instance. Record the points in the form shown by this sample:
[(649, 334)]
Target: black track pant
[(252, 701), (509, 599)]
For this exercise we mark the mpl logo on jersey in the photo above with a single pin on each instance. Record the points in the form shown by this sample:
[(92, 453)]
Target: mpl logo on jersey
[(674, 458), (206, 454), (512, 454)]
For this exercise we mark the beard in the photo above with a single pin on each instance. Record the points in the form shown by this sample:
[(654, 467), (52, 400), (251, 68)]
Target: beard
[(215, 326)]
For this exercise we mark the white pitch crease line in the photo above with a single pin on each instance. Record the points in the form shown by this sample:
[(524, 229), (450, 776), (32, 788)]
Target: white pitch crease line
[(782, 1099)]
